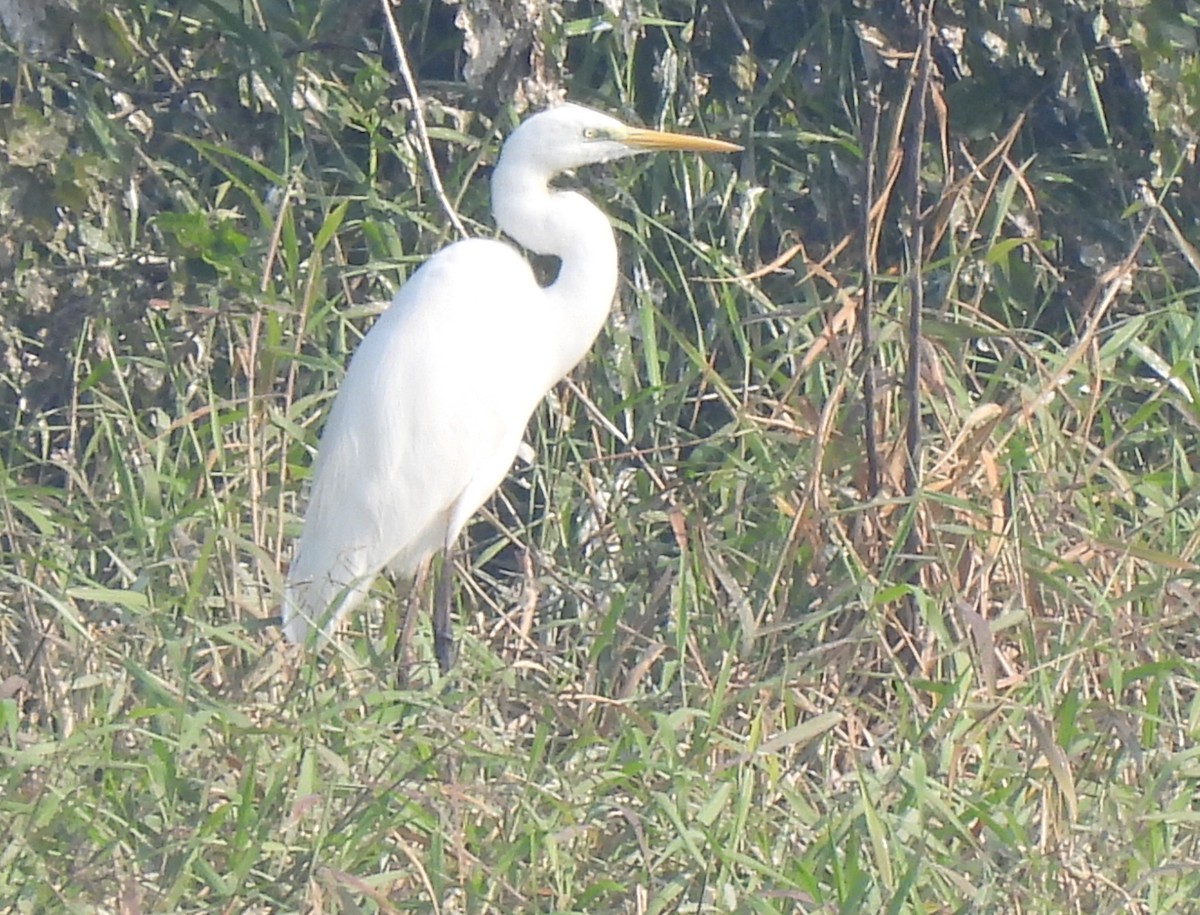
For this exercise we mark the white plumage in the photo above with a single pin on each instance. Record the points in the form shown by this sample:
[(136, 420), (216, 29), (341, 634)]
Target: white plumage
[(435, 401)]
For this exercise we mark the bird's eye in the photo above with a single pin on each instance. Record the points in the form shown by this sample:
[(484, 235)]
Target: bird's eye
[(591, 133)]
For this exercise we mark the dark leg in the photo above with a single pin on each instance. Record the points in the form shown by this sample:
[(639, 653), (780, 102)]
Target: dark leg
[(443, 636)]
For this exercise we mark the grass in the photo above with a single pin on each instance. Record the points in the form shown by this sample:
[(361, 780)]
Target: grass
[(701, 667)]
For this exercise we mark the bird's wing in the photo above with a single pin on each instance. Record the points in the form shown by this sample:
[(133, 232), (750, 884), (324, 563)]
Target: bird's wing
[(424, 427)]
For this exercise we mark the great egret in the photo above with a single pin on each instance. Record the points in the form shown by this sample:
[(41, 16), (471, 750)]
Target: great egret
[(437, 397)]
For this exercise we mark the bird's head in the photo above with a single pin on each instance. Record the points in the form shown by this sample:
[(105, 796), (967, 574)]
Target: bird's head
[(569, 136)]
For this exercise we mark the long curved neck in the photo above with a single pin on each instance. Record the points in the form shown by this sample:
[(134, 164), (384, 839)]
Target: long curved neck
[(568, 226)]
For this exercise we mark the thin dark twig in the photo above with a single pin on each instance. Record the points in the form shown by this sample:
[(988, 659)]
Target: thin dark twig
[(435, 179), (914, 244), (867, 309)]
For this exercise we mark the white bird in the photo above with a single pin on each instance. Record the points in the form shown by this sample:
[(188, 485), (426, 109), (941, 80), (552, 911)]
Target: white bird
[(436, 399)]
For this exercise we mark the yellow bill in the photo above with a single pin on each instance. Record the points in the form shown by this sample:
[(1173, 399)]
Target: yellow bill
[(659, 140)]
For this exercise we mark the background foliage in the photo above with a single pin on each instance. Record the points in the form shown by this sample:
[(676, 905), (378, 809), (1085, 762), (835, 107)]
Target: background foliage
[(716, 653)]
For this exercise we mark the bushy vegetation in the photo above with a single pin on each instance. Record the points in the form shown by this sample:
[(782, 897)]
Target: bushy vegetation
[(770, 623)]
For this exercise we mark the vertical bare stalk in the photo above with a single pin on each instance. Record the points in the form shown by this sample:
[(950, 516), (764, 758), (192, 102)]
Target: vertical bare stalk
[(258, 432), (867, 307), (914, 247), (410, 83)]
